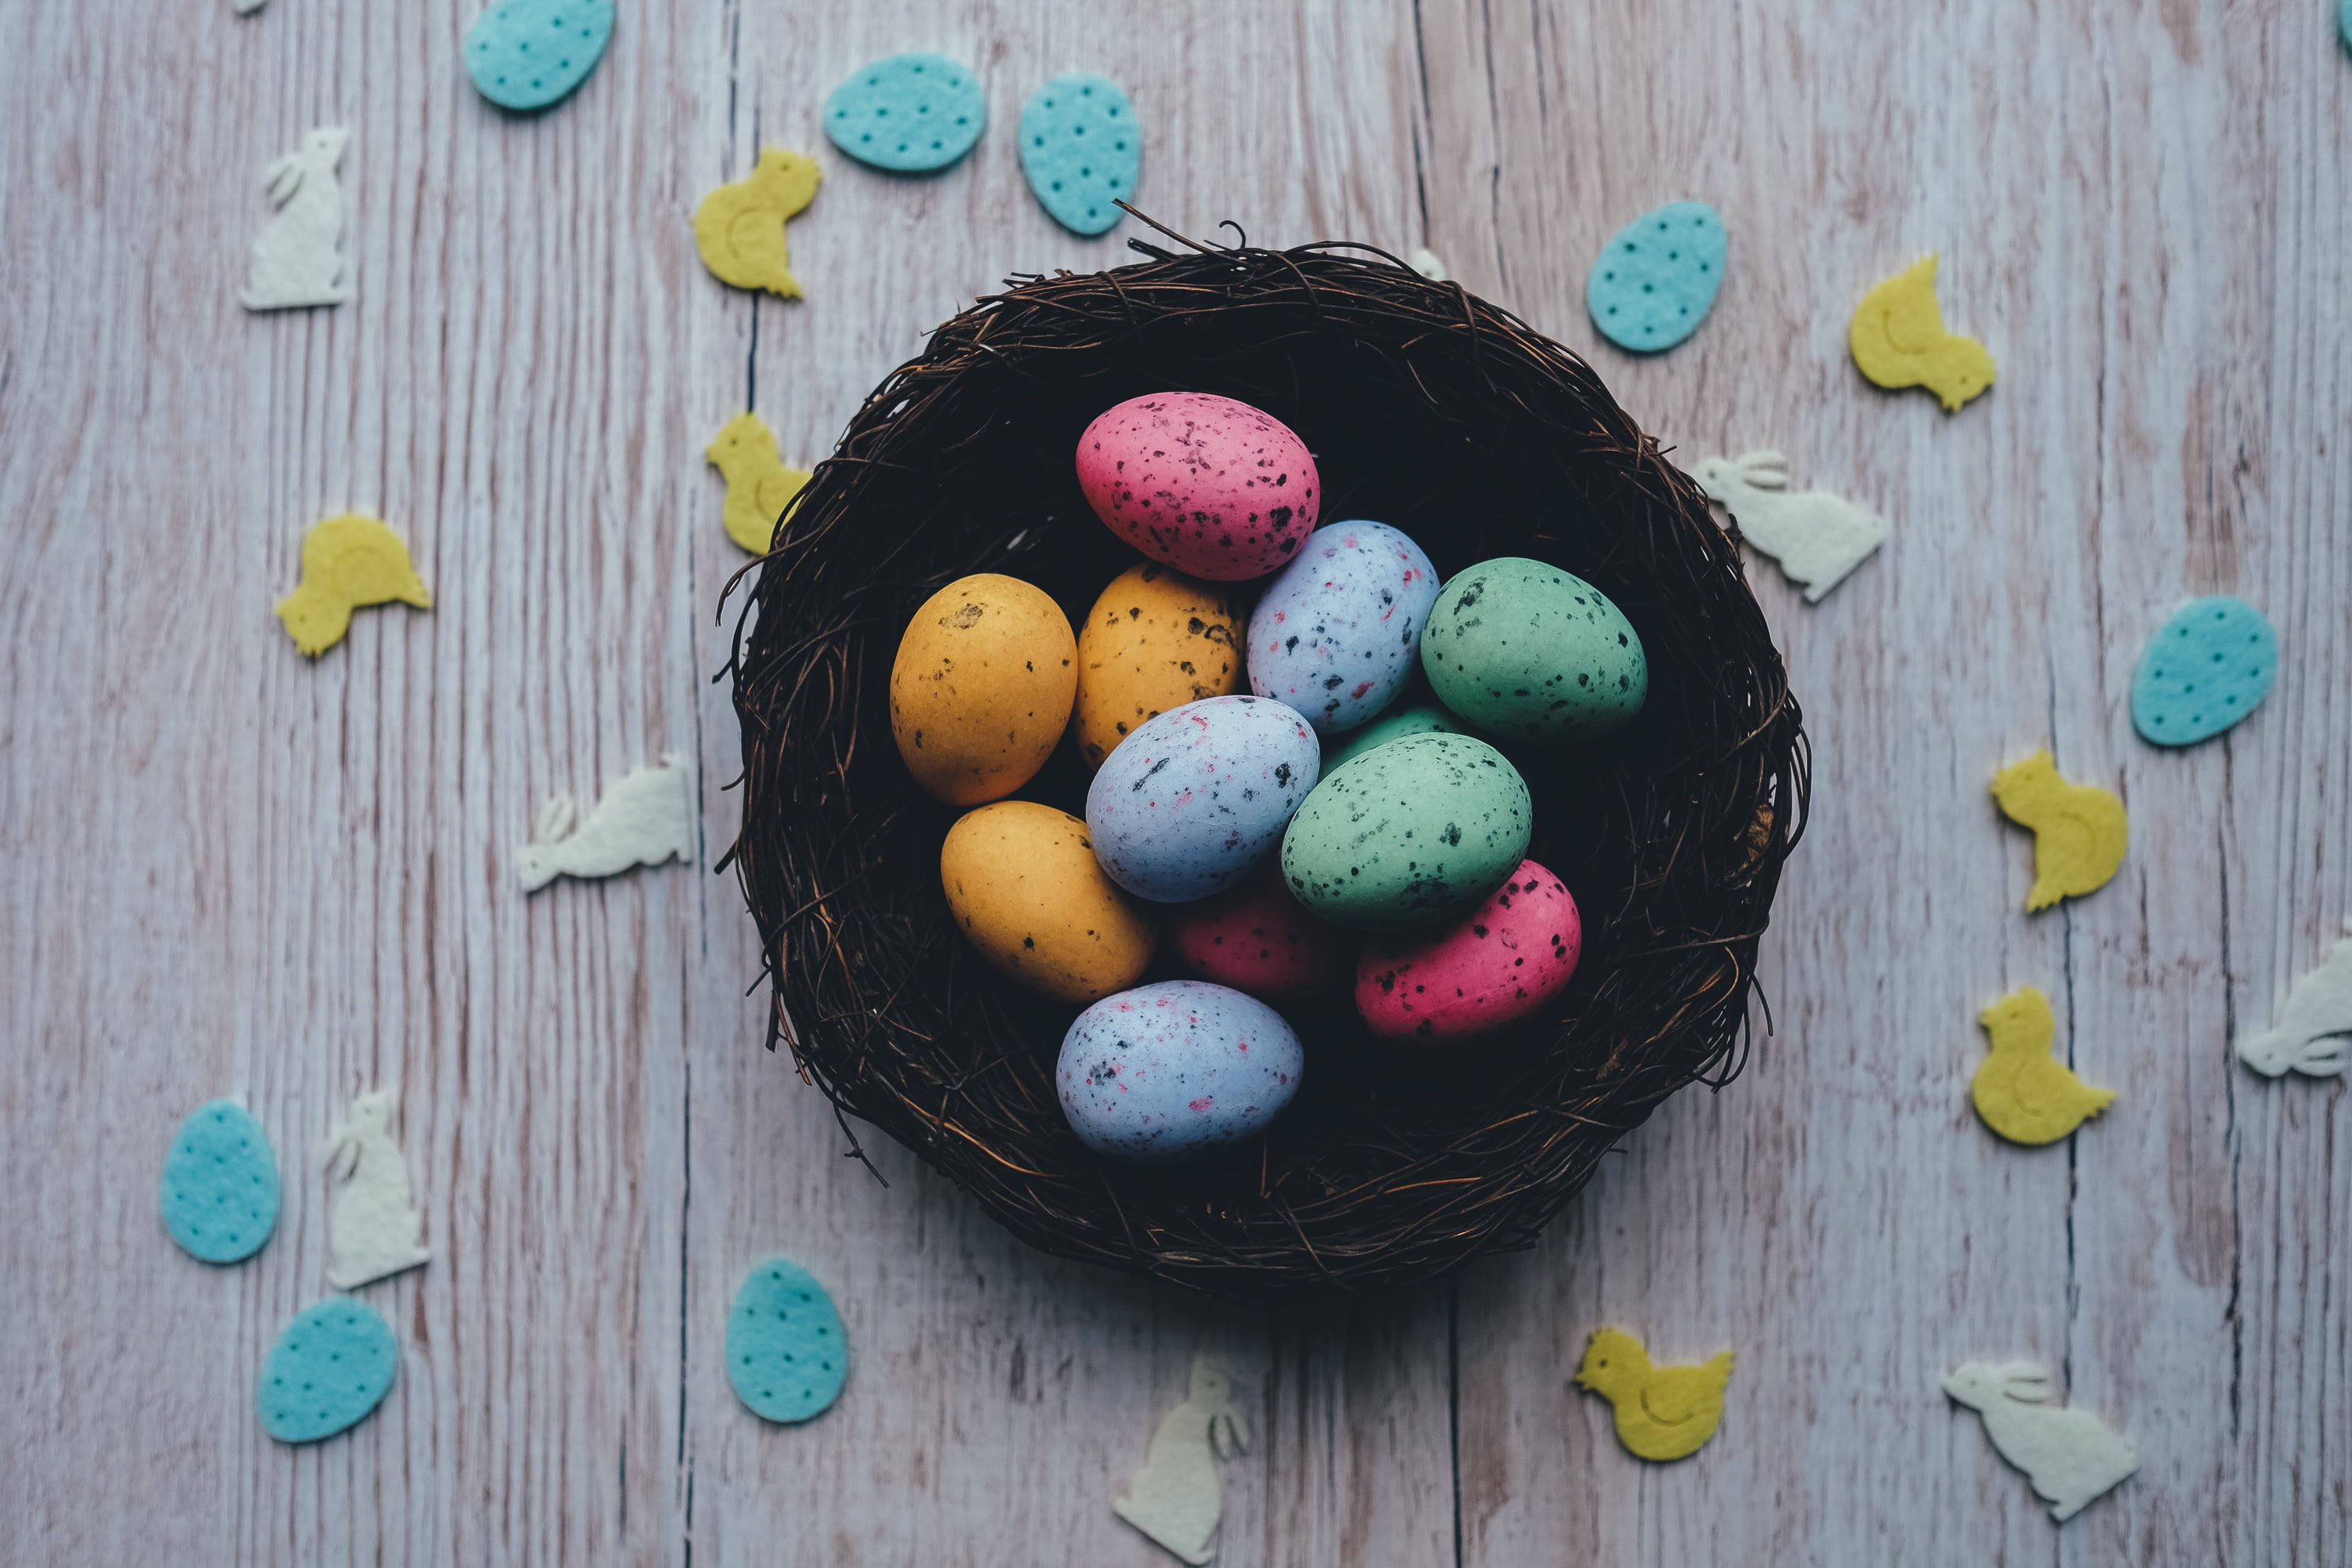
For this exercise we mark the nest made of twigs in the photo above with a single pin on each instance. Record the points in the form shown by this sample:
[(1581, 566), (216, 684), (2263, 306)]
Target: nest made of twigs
[(1425, 407)]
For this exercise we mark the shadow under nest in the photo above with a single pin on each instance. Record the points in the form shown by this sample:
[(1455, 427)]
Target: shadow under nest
[(1425, 407)]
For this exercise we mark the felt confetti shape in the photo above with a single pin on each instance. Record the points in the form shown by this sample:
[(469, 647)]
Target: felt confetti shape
[(2021, 1089), (375, 1229), (912, 114), (298, 256), (347, 561), (1815, 536), (1424, 261), (1663, 1412), (739, 229), (1082, 149), (328, 1372), (645, 819), (2313, 1030), (1898, 340), (786, 1354), (2078, 829), (1174, 1498), (1657, 279), (220, 1183), (760, 484), (527, 54), (2070, 1456), (2209, 667)]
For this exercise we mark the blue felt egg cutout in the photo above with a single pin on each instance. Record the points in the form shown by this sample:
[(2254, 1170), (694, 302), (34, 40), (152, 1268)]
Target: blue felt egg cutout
[(220, 1183), (1657, 279), (2209, 667), (527, 54), (328, 1370), (1082, 149), (910, 114), (786, 1354)]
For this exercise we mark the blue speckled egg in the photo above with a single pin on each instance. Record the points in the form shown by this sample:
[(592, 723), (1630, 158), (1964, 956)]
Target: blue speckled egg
[(2210, 666), (527, 54), (1172, 1068), (786, 1353), (328, 1370), (1195, 799), (1082, 149), (1338, 632), (220, 1183), (910, 114), (1656, 280)]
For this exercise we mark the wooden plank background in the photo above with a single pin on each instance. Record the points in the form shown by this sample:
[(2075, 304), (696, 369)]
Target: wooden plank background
[(230, 870)]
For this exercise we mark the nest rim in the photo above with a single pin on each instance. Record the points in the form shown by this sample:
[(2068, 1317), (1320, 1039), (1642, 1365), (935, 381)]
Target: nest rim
[(900, 1024)]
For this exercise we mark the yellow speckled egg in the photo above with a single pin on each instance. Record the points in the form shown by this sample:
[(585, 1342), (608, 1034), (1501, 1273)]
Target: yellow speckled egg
[(981, 688), (1156, 640), (1023, 885)]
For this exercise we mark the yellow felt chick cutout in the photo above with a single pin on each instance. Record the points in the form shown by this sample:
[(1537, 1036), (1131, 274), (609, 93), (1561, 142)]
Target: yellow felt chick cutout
[(739, 229), (2078, 829), (1898, 340), (2022, 1090), (347, 561), (760, 484), (1663, 1412)]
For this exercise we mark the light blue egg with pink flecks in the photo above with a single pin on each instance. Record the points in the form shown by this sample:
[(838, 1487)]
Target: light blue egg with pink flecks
[(1197, 797), (1338, 632), (1176, 1067)]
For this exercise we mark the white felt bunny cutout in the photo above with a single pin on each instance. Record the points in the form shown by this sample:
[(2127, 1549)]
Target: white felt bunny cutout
[(644, 820), (2314, 1029), (1815, 536), (2070, 1456), (1174, 1498), (377, 1228), (297, 258)]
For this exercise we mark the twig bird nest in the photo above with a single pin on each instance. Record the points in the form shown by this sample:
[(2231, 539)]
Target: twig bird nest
[(1425, 407)]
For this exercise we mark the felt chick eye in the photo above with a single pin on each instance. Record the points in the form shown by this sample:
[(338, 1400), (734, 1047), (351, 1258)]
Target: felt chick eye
[(2021, 1089), (739, 229), (1898, 340), (2078, 829)]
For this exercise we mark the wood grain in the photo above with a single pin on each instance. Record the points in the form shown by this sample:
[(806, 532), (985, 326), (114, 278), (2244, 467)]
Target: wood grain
[(235, 872)]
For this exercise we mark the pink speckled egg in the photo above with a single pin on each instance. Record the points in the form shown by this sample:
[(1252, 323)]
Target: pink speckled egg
[(1258, 938), (1495, 967), (1210, 486), (1173, 1068)]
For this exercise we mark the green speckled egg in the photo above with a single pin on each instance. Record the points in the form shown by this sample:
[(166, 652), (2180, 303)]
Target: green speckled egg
[(1420, 719), (1523, 650), (1411, 834)]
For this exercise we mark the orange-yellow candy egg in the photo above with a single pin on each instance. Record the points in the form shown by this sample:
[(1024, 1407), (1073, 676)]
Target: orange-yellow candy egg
[(981, 688), (1156, 640), (1024, 887)]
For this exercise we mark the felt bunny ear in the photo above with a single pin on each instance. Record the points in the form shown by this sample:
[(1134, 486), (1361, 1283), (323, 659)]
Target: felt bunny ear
[(2025, 1382), (555, 819), (1765, 470), (284, 177)]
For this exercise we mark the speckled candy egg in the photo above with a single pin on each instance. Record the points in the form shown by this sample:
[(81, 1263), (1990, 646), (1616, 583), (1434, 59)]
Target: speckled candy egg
[(981, 688), (1196, 799), (1522, 649), (1414, 833), (1024, 889), (1202, 483), (1156, 640), (1338, 632), (1258, 938), (1501, 962), (1417, 719), (1174, 1067)]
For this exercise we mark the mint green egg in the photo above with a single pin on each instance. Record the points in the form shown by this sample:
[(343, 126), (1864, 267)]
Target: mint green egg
[(1420, 719), (1522, 649), (1411, 834)]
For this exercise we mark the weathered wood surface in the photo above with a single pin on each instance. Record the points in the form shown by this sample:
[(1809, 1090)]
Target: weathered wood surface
[(235, 871)]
